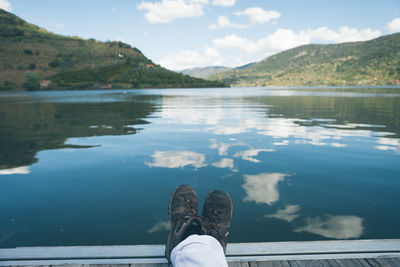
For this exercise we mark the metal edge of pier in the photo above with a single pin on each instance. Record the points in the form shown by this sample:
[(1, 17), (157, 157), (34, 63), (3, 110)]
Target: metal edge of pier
[(236, 252)]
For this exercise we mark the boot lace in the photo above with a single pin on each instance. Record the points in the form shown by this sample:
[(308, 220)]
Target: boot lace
[(213, 226), (188, 211)]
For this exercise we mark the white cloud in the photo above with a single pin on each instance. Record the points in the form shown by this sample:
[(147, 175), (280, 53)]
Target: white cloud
[(280, 40), (259, 15), (224, 22), (223, 2), (18, 170), (188, 59), (183, 60), (177, 159), (169, 10), (212, 52), (345, 34), (263, 187), (287, 214), (338, 227), (283, 39), (224, 163), (4, 4), (231, 41), (394, 25)]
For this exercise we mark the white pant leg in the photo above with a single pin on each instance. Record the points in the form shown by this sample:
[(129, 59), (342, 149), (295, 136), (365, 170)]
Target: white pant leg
[(198, 250)]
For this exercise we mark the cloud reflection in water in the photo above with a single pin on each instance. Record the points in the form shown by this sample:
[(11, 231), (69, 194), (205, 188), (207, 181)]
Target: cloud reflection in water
[(287, 214), (251, 153), (160, 226), (385, 143), (338, 227), (223, 147), (224, 163), (18, 170), (177, 159), (263, 187)]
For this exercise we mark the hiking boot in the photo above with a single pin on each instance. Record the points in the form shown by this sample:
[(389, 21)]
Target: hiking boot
[(184, 221), (217, 213)]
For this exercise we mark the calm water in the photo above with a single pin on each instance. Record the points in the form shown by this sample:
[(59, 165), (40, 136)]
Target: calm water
[(98, 167)]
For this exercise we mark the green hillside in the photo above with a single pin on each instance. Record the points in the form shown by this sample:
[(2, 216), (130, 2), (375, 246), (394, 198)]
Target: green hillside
[(374, 62), (75, 63)]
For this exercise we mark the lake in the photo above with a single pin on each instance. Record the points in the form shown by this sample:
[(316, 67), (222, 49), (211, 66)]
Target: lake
[(98, 167)]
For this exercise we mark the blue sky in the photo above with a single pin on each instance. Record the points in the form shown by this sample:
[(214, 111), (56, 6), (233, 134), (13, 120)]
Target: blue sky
[(180, 34)]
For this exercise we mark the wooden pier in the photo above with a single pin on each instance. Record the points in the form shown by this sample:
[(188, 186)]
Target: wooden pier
[(291, 254)]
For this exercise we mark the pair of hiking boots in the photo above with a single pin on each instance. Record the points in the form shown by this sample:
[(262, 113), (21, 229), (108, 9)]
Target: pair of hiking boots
[(182, 211)]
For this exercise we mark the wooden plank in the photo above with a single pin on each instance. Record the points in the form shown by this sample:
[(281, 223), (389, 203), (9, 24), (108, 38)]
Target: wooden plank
[(349, 263), (325, 263), (312, 256), (331, 263), (306, 263), (142, 265), (363, 262), (238, 264), (269, 264), (396, 261), (386, 261)]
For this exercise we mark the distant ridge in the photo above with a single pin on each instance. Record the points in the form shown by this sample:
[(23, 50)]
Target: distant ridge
[(76, 63), (245, 66), (207, 72), (374, 62)]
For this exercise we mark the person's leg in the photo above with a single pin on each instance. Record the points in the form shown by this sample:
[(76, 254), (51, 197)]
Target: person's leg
[(191, 244), (199, 251)]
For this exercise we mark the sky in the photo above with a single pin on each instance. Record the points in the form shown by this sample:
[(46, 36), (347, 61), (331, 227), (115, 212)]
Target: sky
[(181, 34)]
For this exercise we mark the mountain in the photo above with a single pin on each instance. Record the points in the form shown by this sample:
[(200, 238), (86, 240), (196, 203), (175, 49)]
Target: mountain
[(374, 62), (29, 54), (245, 66), (205, 72)]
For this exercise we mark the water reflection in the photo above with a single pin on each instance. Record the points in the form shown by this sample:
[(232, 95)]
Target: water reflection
[(338, 150), (388, 144), (223, 148), (224, 163), (27, 127), (18, 170), (177, 159), (289, 213), (250, 154), (263, 187), (330, 226), (160, 226)]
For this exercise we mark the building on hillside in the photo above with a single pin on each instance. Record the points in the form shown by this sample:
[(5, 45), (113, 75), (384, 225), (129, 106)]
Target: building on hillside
[(44, 84)]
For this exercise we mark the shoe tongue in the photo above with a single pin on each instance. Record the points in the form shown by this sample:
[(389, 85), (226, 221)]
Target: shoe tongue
[(194, 227)]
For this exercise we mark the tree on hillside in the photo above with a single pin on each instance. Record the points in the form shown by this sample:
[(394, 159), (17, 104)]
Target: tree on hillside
[(32, 81)]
